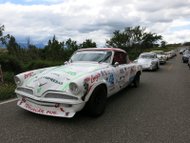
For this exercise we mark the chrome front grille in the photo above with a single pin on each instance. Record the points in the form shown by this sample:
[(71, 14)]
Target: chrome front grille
[(25, 90), (60, 96)]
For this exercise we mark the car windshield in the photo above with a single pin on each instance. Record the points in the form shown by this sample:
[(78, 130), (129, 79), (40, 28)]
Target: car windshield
[(94, 56), (147, 56)]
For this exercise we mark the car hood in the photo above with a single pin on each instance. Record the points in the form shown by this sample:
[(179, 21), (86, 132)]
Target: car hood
[(144, 61), (58, 78)]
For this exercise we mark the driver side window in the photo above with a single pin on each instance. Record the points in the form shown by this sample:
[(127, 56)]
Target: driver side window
[(120, 57)]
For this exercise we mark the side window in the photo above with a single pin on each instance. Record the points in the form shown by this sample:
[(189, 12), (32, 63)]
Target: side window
[(127, 59), (120, 57)]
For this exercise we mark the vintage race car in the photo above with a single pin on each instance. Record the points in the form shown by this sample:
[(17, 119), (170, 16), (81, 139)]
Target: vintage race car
[(186, 56), (149, 61), (84, 82), (161, 56)]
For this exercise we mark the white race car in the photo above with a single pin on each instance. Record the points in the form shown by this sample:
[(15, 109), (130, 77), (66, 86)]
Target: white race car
[(85, 81), (149, 61)]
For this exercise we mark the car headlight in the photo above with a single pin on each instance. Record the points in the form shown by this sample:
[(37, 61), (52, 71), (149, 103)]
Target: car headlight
[(74, 88), (18, 81)]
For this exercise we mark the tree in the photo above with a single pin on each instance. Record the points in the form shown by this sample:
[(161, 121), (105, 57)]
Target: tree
[(163, 44), (54, 50), (3, 39), (186, 44), (149, 40), (88, 44), (70, 47), (133, 37), (13, 47)]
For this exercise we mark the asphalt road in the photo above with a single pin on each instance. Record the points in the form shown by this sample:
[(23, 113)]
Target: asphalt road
[(156, 112)]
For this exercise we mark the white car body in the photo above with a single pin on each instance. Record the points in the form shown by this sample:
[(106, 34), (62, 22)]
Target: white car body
[(162, 58), (148, 60), (64, 90)]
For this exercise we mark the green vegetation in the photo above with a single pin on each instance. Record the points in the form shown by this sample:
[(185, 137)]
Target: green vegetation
[(7, 88), (7, 91), (15, 59)]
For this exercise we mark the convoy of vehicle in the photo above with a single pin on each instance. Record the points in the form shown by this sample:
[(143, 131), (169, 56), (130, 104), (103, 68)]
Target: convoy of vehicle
[(85, 81)]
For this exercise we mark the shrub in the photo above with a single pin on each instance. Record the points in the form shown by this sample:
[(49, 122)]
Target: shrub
[(9, 63), (8, 77), (41, 64), (7, 91)]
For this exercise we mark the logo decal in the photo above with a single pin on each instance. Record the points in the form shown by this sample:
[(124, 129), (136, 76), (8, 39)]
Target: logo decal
[(41, 84)]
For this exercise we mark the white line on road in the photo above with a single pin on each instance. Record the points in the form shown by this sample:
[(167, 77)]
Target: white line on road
[(8, 101)]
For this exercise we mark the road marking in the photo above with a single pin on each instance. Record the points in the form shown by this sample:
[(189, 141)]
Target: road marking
[(8, 101)]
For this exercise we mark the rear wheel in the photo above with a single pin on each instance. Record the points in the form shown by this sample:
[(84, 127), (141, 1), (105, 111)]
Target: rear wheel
[(97, 102)]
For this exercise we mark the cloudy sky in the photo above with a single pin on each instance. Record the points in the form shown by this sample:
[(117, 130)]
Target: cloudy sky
[(93, 19)]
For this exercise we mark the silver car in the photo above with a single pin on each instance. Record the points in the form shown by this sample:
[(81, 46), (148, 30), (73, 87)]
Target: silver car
[(149, 61)]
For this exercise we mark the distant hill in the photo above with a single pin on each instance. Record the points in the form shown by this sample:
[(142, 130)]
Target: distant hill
[(25, 45)]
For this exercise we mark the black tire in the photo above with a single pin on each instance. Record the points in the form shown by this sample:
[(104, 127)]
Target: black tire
[(157, 66), (97, 103), (136, 80)]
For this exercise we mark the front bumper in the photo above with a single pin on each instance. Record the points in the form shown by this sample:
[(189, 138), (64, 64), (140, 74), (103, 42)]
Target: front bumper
[(162, 61), (56, 109), (148, 67), (185, 59)]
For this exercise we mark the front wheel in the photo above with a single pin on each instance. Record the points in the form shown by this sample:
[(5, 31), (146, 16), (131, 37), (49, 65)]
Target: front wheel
[(97, 102), (136, 81)]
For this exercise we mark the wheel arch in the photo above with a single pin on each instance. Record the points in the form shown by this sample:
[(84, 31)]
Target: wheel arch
[(102, 85)]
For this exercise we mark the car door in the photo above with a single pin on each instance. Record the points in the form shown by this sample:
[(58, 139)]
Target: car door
[(120, 65)]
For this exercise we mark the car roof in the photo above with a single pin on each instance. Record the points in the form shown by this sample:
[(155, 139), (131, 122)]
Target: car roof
[(155, 51), (102, 49), (147, 53)]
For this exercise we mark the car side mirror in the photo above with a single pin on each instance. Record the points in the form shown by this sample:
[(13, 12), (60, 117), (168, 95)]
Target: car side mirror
[(116, 64), (66, 62)]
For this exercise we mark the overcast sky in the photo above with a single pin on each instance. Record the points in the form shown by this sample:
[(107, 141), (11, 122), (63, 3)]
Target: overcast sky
[(93, 19)]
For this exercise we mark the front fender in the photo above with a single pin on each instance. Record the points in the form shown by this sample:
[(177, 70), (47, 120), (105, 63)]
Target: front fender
[(93, 87)]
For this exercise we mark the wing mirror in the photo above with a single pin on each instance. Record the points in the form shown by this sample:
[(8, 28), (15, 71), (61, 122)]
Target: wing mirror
[(116, 64), (66, 62)]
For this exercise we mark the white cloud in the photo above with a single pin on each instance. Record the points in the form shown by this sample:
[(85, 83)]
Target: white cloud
[(82, 19)]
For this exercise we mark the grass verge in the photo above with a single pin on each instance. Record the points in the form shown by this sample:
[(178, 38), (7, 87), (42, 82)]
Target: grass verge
[(7, 91)]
